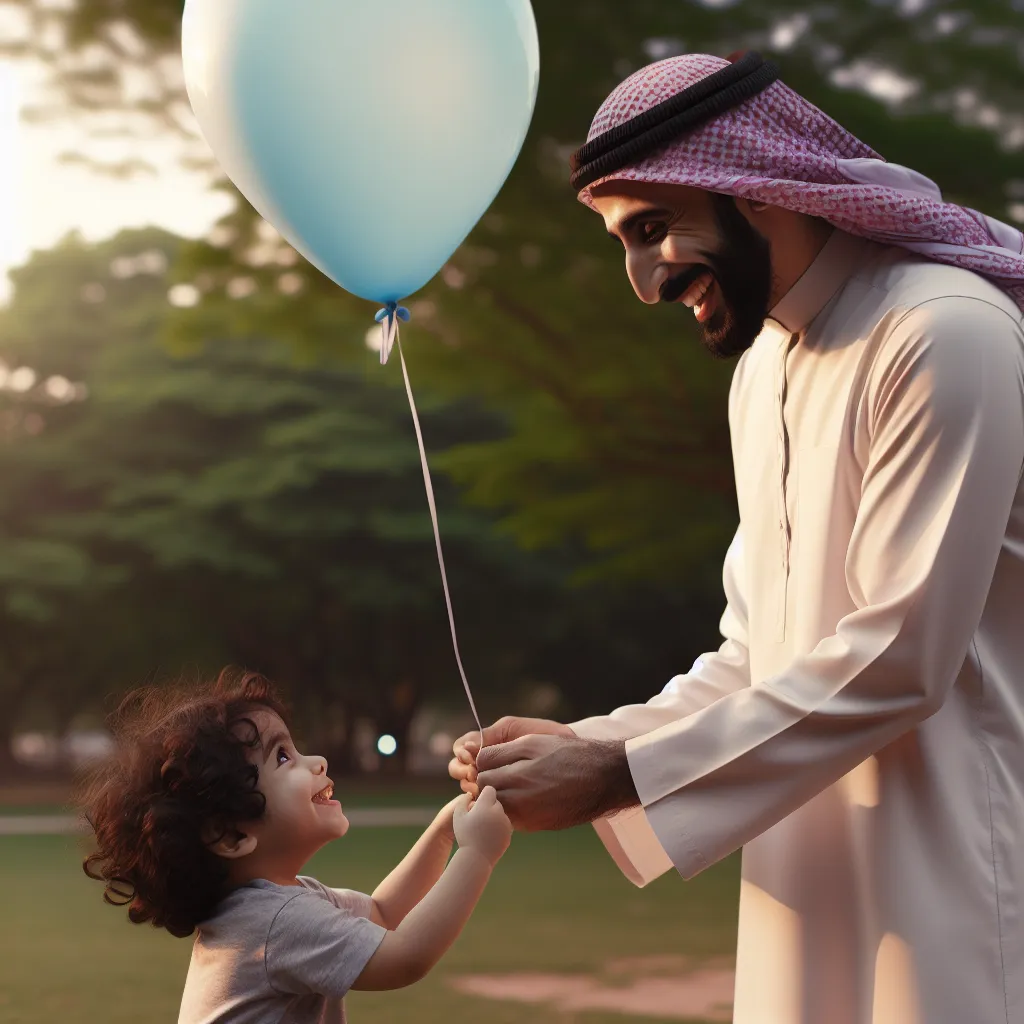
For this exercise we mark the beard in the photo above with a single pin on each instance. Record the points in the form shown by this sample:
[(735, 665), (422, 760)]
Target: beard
[(742, 270)]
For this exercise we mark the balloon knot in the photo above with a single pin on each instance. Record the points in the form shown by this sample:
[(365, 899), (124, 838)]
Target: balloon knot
[(393, 309), (388, 318)]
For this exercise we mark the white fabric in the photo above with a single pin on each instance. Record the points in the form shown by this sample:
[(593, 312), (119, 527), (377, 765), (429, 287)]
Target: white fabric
[(906, 181), (861, 730), (864, 170)]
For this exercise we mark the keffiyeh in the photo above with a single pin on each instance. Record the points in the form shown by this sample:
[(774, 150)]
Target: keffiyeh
[(778, 148)]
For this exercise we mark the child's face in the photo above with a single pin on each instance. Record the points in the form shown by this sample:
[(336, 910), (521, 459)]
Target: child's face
[(301, 815)]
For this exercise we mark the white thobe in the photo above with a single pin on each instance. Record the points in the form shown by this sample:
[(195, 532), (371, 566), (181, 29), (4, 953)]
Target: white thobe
[(860, 732)]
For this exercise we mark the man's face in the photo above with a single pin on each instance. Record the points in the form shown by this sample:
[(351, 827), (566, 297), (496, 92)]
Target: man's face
[(301, 815), (693, 247)]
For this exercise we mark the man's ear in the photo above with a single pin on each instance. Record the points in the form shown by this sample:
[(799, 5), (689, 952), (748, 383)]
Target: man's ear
[(230, 843)]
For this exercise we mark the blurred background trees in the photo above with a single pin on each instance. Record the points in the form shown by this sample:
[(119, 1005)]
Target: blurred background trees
[(202, 460)]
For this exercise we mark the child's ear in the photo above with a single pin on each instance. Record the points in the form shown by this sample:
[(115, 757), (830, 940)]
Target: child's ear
[(230, 844)]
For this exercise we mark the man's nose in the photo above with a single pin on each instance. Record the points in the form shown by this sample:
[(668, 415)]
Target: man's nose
[(644, 277)]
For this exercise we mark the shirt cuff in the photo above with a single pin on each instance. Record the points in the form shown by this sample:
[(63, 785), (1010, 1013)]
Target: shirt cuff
[(665, 816), (633, 845), (627, 835), (601, 727)]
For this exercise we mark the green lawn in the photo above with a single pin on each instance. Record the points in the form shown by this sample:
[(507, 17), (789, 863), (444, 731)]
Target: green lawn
[(556, 903)]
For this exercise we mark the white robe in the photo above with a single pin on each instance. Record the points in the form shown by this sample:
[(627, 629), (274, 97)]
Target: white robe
[(860, 732)]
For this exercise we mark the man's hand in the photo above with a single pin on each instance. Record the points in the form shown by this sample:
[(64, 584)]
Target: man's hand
[(557, 781), (462, 766)]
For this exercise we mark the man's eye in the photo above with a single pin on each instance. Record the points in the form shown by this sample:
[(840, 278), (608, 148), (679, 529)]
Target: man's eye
[(652, 231), (282, 753)]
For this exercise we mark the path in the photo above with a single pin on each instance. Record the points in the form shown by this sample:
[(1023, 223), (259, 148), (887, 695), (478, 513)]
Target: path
[(69, 824)]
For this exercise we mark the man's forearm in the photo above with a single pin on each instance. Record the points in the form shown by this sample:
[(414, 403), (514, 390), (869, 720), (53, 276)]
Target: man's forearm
[(604, 783), (415, 875)]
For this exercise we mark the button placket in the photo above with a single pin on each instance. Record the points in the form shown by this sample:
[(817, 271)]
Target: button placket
[(782, 462)]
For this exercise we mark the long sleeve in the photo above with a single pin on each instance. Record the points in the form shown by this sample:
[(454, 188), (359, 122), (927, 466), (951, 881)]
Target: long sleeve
[(945, 403), (713, 675), (627, 835)]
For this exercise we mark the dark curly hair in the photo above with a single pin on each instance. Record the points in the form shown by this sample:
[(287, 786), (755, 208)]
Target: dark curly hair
[(178, 779)]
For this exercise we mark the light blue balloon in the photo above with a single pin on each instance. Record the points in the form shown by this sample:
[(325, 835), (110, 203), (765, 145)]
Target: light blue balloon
[(376, 132)]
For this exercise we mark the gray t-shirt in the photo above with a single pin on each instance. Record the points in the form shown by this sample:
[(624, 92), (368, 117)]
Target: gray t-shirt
[(279, 954)]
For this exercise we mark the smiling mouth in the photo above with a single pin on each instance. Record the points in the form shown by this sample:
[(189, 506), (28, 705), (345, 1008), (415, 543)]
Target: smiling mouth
[(696, 289), (705, 305), (325, 795), (700, 296)]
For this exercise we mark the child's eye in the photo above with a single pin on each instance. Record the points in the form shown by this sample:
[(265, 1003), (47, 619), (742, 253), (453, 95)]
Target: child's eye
[(282, 752)]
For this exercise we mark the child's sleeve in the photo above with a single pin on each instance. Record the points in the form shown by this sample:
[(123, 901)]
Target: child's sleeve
[(315, 947), (357, 903)]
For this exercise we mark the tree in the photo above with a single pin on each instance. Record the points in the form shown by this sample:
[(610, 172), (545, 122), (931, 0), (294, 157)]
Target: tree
[(271, 512), (232, 503), (592, 427), (613, 414)]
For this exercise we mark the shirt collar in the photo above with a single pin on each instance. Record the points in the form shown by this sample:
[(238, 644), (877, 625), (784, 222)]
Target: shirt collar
[(842, 255)]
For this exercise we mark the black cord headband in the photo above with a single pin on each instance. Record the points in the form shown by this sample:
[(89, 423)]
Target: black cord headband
[(640, 136)]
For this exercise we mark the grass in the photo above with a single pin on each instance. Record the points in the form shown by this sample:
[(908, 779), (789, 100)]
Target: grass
[(555, 903)]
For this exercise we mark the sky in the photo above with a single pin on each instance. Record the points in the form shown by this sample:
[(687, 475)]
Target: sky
[(41, 199)]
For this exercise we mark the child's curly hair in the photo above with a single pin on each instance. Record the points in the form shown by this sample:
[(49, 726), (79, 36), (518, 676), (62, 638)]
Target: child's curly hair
[(179, 778)]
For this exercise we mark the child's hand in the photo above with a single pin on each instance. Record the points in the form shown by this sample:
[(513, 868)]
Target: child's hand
[(484, 826), (445, 816)]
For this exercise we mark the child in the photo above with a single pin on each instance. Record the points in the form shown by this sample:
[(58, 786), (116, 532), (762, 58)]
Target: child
[(203, 818)]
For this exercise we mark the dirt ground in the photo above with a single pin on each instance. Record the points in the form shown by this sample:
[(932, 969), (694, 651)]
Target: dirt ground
[(672, 988)]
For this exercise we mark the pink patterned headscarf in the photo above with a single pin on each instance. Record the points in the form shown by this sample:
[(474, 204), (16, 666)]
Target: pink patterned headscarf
[(778, 148)]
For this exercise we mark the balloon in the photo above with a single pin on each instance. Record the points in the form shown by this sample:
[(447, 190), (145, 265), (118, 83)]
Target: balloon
[(373, 134)]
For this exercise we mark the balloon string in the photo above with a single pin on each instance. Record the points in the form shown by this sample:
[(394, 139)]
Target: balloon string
[(437, 533)]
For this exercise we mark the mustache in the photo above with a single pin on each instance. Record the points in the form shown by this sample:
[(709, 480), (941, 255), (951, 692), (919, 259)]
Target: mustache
[(675, 287)]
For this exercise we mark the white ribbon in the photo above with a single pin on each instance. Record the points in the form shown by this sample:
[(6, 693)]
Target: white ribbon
[(388, 331), (391, 335)]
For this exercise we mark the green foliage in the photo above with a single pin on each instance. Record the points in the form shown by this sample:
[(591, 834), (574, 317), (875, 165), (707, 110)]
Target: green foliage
[(271, 454), (231, 501), (615, 433), (280, 504)]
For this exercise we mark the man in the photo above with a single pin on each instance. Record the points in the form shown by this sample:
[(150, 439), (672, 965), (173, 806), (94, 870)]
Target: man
[(860, 732)]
